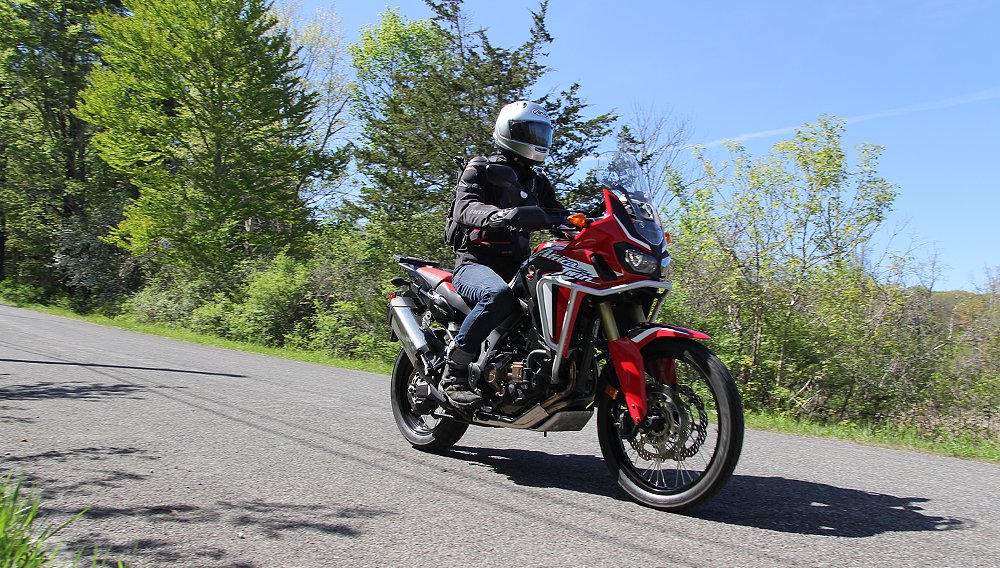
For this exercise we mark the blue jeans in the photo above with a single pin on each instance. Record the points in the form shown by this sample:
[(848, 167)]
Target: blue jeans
[(494, 303)]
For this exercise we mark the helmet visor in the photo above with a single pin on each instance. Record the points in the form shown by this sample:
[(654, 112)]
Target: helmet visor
[(531, 132)]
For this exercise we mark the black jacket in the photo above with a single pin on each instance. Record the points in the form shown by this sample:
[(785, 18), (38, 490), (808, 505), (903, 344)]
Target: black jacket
[(477, 201)]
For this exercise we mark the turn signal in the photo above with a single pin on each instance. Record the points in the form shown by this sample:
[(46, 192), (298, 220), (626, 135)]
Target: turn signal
[(668, 237), (577, 220)]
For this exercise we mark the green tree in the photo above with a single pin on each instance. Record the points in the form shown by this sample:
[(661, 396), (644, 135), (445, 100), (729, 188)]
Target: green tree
[(428, 91), (767, 248), (323, 72), (968, 389), (55, 196), (201, 108)]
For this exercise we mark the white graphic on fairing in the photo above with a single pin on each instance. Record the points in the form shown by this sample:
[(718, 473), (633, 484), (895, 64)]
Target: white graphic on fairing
[(572, 269)]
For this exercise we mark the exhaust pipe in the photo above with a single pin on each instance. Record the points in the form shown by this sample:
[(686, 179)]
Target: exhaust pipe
[(406, 326)]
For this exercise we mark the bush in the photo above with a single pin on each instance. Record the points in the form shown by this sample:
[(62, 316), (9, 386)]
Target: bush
[(274, 301), (21, 294), (342, 331), (213, 318), (169, 301), (266, 309)]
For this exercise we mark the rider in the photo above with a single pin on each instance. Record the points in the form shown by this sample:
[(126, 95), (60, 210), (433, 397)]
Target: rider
[(489, 251)]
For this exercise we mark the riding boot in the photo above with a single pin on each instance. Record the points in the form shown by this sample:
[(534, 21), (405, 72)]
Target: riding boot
[(455, 383)]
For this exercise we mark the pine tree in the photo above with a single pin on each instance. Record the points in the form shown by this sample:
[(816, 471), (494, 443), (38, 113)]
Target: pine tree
[(428, 92)]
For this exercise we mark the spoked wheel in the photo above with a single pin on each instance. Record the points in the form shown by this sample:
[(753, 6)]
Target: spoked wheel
[(687, 447), (414, 416)]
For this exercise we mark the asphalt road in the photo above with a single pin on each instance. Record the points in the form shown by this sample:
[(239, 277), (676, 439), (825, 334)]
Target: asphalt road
[(186, 455)]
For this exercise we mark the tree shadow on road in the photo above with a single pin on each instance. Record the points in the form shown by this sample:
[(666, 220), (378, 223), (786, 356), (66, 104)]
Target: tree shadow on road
[(271, 519), (253, 520), (70, 390), (771, 503), (93, 453)]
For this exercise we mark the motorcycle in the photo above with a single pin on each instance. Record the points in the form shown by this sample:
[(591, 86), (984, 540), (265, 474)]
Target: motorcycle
[(586, 337)]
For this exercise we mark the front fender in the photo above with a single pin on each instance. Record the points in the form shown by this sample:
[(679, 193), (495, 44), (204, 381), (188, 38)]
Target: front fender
[(630, 368), (645, 334)]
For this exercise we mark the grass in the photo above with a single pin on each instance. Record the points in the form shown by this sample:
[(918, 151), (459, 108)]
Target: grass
[(957, 446), (987, 450), (202, 339), (23, 543)]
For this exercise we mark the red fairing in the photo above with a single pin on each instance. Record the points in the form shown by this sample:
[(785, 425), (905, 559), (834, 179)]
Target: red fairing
[(561, 306), (598, 239), (551, 244), (626, 355), (631, 371), (665, 371)]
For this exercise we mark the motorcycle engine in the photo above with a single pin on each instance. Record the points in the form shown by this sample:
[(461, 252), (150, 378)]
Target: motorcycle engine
[(507, 383)]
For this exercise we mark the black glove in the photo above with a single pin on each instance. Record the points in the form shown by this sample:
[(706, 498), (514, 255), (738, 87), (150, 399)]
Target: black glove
[(526, 218), (532, 218), (502, 218)]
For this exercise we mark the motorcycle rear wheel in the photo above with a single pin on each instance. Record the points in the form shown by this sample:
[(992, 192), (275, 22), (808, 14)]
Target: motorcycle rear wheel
[(691, 450), (422, 431)]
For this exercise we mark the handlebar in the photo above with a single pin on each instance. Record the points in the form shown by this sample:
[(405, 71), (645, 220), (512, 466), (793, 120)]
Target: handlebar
[(535, 218)]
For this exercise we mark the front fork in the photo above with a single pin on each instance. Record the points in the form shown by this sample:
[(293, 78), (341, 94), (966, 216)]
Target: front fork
[(630, 367)]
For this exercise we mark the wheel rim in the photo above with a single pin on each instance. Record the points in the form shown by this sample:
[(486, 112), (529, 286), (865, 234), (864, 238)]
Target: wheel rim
[(676, 445), (421, 424)]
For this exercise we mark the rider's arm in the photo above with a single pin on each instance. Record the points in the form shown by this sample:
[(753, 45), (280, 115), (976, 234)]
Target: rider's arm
[(547, 195), (472, 206)]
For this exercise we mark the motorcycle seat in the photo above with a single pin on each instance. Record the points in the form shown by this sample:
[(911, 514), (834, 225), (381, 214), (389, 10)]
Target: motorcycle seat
[(439, 280), (435, 276)]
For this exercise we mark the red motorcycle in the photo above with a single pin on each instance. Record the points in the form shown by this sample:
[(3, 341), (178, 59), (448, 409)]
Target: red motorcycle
[(669, 416)]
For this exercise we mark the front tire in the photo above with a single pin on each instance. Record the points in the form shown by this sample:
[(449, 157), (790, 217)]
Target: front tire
[(422, 430), (688, 451)]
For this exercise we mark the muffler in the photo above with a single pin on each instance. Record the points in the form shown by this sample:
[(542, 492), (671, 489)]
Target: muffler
[(406, 327)]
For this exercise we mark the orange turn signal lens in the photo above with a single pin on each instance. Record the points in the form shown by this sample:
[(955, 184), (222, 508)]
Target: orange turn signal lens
[(577, 220), (668, 237)]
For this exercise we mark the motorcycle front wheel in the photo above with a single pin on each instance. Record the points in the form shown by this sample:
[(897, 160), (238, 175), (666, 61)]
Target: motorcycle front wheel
[(688, 446), (420, 428)]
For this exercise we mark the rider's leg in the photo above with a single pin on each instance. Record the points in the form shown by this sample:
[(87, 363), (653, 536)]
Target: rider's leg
[(494, 302)]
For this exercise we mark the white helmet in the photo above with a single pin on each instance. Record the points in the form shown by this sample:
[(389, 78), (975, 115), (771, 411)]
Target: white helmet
[(524, 128)]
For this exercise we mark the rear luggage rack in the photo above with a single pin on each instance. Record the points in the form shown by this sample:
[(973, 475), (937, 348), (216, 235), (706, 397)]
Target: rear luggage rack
[(416, 261)]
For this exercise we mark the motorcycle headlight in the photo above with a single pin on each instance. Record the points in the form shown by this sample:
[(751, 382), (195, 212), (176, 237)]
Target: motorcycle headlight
[(641, 262)]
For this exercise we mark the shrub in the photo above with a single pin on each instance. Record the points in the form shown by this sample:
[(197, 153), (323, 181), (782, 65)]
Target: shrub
[(21, 294), (169, 301), (274, 300), (342, 330)]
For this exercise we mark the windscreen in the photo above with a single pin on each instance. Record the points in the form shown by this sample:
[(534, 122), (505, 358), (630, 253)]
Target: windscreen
[(622, 174)]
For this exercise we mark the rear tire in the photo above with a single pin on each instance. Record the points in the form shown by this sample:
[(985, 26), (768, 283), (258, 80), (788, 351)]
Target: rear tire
[(693, 448), (422, 431)]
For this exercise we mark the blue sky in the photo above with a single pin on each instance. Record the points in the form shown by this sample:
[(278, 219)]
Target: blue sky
[(920, 78)]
